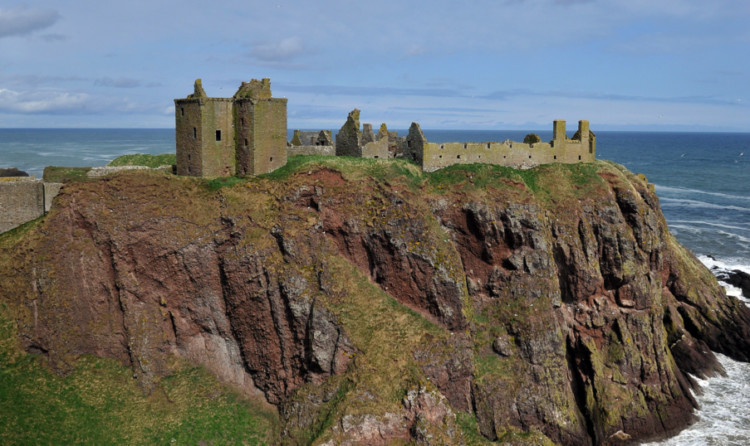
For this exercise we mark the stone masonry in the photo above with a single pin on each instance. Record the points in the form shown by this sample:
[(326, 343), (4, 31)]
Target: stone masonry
[(242, 135), (23, 199), (433, 156), (351, 141), (311, 143)]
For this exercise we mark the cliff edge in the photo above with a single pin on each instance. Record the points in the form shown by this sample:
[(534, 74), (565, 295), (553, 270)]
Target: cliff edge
[(371, 302)]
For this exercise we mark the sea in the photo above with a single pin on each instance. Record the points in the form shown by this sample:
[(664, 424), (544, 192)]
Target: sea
[(702, 180)]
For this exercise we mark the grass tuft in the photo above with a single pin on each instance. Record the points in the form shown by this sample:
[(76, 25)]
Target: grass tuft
[(144, 159)]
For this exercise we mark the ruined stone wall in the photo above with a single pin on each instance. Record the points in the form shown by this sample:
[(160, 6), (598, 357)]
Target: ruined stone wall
[(219, 158), (311, 150), (415, 144), (375, 149), (509, 153), (244, 134), (188, 135), (24, 199), (349, 137), (261, 139), (50, 191)]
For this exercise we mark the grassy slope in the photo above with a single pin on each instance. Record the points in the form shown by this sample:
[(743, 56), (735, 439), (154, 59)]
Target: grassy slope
[(100, 403)]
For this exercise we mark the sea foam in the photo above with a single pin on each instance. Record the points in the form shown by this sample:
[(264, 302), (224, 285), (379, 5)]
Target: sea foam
[(723, 416)]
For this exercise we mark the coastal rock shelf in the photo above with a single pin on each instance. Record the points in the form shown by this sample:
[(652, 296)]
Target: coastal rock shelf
[(370, 301)]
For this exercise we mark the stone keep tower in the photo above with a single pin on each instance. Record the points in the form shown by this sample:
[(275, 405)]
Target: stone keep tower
[(242, 135)]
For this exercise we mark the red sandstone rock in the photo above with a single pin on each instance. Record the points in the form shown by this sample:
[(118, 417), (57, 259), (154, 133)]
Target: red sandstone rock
[(578, 318)]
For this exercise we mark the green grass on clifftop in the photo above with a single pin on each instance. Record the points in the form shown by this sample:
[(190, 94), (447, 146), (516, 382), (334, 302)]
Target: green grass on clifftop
[(58, 174), (143, 159), (545, 182)]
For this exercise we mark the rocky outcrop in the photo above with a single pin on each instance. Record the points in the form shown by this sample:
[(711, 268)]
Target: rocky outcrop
[(375, 306), (734, 277), (12, 172)]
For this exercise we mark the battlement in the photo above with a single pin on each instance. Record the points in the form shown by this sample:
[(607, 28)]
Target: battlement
[(254, 89)]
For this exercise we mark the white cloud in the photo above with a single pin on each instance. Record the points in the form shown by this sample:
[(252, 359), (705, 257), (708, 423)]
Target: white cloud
[(283, 50), (42, 101), (21, 21)]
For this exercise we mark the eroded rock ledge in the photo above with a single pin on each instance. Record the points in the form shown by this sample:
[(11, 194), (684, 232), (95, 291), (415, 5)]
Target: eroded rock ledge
[(372, 302)]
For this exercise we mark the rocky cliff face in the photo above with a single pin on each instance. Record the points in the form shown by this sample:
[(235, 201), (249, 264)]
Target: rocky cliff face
[(371, 302)]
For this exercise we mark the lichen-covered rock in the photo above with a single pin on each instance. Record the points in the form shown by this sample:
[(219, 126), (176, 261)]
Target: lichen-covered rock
[(371, 304)]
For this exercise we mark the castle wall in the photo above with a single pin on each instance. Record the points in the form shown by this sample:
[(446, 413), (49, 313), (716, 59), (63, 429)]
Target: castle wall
[(188, 134), (265, 133), (414, 147), (23, 200), (311, 150), (243, 125), (50, 191), (511, 154), (219, 158), (375, 149), (349, 137)]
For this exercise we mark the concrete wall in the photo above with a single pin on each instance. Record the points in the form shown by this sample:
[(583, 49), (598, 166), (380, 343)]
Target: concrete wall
[(23, 200)]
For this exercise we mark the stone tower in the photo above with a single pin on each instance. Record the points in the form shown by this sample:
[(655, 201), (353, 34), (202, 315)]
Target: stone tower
[(242, 135)]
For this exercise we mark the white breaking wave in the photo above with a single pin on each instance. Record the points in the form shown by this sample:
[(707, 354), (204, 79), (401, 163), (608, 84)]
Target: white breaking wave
[(710, 223), (735, 236), (702, 204), (724, 415), (726, 264), (697, 191)]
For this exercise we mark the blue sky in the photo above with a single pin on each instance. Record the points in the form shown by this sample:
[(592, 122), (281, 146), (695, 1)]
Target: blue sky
[(474, 64)]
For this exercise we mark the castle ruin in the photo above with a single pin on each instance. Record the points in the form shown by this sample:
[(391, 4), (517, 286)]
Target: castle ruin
[(311, 143), (238, 136), (351, 141), (246, 135), (581, 148)]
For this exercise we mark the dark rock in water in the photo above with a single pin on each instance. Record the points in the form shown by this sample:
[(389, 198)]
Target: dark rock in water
[(12, 172), (735, 277)]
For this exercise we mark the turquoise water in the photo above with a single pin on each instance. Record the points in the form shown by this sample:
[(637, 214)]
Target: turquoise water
[(702, 179)]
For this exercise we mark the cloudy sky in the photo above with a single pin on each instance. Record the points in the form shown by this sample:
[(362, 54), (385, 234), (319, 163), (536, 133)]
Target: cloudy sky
[(469, 64)]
